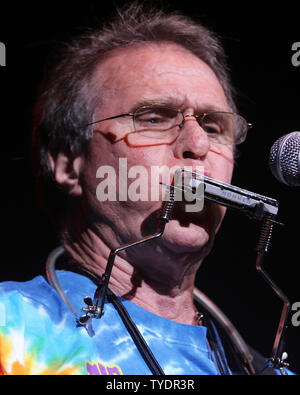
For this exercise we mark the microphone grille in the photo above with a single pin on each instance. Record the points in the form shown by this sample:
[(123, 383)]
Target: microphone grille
[(284, 160)]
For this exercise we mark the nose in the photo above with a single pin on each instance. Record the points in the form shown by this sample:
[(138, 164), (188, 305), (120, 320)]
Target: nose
[(192, 141)]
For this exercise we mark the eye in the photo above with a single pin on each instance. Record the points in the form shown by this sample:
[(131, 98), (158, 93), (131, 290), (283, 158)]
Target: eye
[(212, 128), (213, 124), (151, 118), (156, 117)]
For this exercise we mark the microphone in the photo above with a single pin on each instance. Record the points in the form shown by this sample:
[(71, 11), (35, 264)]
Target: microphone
[(284, 159)]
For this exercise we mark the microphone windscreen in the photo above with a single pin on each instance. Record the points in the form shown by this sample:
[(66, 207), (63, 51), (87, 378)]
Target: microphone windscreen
[(284, 160)]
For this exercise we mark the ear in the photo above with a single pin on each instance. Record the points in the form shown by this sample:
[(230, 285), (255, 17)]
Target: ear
[(66, 172)]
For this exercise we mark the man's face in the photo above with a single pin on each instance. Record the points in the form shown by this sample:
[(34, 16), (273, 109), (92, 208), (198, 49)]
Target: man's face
[(156, 74)]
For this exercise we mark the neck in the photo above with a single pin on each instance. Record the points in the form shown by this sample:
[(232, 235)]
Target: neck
[(154, 287)]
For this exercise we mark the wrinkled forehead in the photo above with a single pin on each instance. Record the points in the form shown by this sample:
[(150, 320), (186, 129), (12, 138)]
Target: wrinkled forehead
[(158, 69)]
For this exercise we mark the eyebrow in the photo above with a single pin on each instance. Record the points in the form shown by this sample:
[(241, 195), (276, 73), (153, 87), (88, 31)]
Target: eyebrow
[(163, 101), (176, 103)]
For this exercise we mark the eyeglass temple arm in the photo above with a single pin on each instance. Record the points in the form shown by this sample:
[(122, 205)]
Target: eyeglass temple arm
[(129, 114)]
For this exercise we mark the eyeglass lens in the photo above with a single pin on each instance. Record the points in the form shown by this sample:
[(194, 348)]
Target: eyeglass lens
[(163, 123)]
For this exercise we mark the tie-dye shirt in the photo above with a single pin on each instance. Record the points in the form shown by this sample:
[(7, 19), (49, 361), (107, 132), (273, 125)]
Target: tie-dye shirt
[(39, 335)]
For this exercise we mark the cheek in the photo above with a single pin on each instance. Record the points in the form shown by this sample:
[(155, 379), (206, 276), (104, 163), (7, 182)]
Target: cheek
[(144, 174), (133, 172), (222, 163), (143, 158)]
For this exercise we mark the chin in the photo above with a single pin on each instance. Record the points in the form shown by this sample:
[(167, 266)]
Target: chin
[(186, 240), (193, 232)]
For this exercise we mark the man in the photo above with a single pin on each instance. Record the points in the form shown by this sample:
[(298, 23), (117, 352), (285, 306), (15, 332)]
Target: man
[(147, 90)]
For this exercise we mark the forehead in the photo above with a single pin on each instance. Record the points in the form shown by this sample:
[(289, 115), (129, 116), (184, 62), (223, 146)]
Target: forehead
[(159, 71)]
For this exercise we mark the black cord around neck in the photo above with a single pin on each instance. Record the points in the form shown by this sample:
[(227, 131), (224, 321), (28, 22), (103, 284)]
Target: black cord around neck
[(135, 334)]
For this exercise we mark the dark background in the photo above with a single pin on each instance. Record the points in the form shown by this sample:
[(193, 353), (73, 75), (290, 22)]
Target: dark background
[(258, 42)]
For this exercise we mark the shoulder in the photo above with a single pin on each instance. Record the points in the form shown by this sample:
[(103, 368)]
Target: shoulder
[(24, 304), (16, 296), (29, 313)]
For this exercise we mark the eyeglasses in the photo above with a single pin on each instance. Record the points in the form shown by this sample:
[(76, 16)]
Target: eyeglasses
[(159, 125)]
